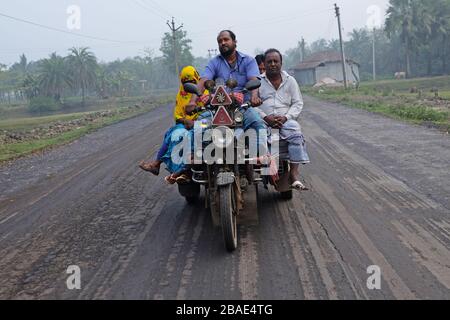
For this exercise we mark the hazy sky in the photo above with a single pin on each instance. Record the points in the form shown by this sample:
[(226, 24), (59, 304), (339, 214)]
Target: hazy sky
[(139, 24)]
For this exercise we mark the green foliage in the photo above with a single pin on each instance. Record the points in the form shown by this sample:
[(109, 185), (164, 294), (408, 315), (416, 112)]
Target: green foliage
[(53, 76), (182, 50), (82, 65), (392, 98), (415, 39), (42, 104)]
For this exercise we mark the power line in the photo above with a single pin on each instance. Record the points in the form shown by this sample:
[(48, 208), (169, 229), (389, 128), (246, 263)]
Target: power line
[(161, 9), (266, 22), (151, 9), (61, 30)]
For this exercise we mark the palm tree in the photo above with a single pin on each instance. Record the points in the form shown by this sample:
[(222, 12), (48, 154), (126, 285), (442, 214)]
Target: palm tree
[(53, 76), (400, 20), (440, 10), (83, 64), (104, 82), (30, 86), (23, 64)]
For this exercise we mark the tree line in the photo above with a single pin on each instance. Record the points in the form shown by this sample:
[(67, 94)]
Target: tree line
[(79, 73), (414, 39)]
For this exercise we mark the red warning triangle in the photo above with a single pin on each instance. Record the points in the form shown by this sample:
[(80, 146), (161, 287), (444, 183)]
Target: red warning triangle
[(222, 118), (221, 98)]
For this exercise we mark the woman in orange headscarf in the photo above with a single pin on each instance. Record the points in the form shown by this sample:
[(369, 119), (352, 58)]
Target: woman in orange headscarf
[(184, 122)]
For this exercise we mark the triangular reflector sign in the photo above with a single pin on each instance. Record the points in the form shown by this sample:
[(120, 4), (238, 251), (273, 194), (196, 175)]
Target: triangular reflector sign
[(222, 118), (221, 98)]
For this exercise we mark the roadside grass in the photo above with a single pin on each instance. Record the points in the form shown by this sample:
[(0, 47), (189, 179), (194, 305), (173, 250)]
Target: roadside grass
[(32, 122), (441, 83), (74, 105), (393, 98), (11, 151)]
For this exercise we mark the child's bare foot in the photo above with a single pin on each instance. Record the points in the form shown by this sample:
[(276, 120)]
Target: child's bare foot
[(152, 167)]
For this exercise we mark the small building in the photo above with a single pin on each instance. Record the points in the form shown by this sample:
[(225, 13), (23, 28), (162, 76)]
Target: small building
[(323, 65)]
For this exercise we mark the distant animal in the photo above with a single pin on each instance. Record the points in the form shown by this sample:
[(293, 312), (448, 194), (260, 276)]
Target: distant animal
[(400, 75)]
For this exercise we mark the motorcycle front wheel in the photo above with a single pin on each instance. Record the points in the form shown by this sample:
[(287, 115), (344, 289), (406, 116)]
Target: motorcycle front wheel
[(228, 216)]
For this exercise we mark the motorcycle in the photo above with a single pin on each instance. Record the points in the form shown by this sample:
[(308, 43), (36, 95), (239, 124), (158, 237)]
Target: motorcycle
[(231, 185)]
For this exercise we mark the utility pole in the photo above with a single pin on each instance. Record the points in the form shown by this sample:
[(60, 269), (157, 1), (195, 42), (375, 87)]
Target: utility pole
[(374, 58), (344, 71), (174, 38), (302, 48), (211, 53)]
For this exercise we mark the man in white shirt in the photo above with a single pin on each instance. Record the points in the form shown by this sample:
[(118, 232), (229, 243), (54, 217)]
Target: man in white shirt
[(282, 105)]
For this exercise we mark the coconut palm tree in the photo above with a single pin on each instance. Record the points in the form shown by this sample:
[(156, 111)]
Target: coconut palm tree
[(440, 10), (30, 86), (53, 76), (401, 20), (83, 65)]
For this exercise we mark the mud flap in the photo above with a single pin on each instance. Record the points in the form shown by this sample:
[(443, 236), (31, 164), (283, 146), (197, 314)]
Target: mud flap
[(283, 184), (189, 190), (213, 204)]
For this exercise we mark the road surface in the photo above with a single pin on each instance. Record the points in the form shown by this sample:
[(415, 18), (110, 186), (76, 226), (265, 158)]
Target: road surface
[(380, 196)]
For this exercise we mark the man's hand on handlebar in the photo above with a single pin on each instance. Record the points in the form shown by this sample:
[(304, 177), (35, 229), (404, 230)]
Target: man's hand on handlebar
[(256, 101)]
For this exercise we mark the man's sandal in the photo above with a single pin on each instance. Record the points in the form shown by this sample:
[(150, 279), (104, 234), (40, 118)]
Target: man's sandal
[(183, 179), (297, 185), (170, 180)]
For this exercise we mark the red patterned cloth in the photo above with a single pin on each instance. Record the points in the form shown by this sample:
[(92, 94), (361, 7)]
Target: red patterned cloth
[(203, 99), (239, 97)]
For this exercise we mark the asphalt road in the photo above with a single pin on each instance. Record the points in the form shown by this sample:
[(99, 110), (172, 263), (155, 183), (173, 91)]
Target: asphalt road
[(380, 195)]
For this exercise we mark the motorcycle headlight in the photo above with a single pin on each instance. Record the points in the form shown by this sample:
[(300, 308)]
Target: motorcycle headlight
[(222, 137), (238, 117), (205, 123)]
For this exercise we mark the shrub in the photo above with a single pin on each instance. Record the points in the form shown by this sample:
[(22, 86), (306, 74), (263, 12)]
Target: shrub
[(42, 104)]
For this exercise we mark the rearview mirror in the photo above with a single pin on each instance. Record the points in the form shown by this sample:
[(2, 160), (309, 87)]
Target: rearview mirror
[(210, 85), (191, 88)]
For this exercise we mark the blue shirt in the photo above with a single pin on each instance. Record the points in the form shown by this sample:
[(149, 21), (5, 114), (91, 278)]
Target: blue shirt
[(245, 69)]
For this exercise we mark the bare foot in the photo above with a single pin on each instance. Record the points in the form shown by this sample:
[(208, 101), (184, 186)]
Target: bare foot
[(152, 167)]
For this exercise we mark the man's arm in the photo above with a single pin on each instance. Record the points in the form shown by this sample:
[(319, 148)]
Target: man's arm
[(193, 101), (252, 74), (296, 101), (255, 99)]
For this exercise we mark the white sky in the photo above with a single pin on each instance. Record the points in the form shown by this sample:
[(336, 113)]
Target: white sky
[(258, 24)]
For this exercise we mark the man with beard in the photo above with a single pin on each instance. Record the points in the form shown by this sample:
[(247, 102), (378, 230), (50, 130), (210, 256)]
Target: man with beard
[(282, 106), (232, 64)]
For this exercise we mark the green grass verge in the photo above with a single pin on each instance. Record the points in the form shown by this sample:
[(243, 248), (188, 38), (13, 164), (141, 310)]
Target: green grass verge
[(32, 122), (393, 98), (16, 150)]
